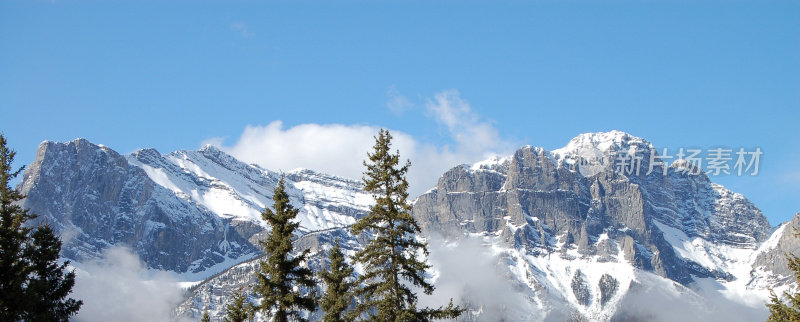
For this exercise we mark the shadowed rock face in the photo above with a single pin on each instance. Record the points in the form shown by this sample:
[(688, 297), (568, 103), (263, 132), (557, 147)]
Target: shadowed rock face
[(772, 256), (96, 199), (568, 204), (608, 288), (185, 212), (549, 202), (580, 288)]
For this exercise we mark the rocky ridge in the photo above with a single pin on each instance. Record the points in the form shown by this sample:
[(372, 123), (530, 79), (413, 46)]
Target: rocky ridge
[(574, 235), (191, 212)]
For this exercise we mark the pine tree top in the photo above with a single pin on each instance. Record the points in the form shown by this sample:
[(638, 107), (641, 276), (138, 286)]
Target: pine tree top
[(284, 281), (339, 284), (395, 259), (238, 309)]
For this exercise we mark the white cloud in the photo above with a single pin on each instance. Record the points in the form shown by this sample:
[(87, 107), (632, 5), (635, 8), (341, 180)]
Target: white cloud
[(657, 299), (480, 286), (331, 148), (119, 288), (241, 27), (397, 103), (470, 133), (340, 149)]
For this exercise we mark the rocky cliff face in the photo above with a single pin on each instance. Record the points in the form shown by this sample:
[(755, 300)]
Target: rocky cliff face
[(575, 235), (96, 199), (575, 198), (770, 264), (188, 211), (577, 205)]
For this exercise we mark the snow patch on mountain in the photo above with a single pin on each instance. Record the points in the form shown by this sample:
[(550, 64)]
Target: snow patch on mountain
[(232, 189), (568, 221), (571, 237)]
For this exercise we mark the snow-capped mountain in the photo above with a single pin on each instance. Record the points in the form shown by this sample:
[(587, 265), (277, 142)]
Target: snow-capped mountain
[(580, 237), (191, 212), (570, 235)]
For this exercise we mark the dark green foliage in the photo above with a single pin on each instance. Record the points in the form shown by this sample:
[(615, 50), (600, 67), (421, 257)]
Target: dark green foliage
[(205, 317), (779, 310), (282, 278), (33, 286), (391, 261), (337, 297), (13, 235), (238, 310), (48, 285)]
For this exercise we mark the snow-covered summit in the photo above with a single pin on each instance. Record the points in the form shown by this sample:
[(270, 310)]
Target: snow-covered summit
[(184, 211), (572, 234), (577, 232), (591, 153), (601, 142), (588, 153)]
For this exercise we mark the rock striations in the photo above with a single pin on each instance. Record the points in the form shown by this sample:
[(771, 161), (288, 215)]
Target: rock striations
[(575, 233)]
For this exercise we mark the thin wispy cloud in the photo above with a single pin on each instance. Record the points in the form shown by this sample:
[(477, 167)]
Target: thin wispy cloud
[(468, 129), (397, 103), (793, 177), (242, 29), (340, 149)]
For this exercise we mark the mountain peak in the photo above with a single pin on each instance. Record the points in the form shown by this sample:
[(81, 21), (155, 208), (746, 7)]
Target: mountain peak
[(147, 151), (77, 141), (210, 148), (598, 147), (603, 141), (79, 146)]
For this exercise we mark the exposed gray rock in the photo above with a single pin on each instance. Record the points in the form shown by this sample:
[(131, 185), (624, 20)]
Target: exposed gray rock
[(772, 260), (535, 205), (184, 212), (608, 288), (96, 199), (536, 199), (580, 288)]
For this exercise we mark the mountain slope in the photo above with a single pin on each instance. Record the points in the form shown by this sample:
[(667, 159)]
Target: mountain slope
[(96, 199), (192, 212), (770, 263), (560, 234), (570, 225)]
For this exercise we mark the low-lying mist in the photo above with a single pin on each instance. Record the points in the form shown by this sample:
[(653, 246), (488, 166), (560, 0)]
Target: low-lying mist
[(468, 273), (118, 287)]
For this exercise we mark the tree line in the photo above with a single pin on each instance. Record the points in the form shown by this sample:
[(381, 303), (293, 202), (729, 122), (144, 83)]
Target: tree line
[(393, 261), (34, 285), (390, 260)]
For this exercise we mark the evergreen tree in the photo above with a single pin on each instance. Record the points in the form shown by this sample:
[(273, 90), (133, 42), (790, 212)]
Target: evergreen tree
[(338, 287), (238, 310), (391, 260), (282, 278), (48, 286), (778, 310), (33, 286), (13, 235), (205, 317)]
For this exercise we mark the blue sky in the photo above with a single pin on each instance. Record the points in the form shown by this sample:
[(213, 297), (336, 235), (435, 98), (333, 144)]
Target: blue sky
[(178, 75)]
